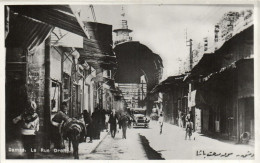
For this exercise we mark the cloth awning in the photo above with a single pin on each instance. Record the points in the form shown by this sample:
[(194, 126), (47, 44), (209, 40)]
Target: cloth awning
[(97, 60), (97, 51), (166, 85), (207, 64), (25, 32), (61, 16), (109, 82)]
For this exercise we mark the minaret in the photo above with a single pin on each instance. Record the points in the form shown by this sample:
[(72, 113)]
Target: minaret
[(122, 34)]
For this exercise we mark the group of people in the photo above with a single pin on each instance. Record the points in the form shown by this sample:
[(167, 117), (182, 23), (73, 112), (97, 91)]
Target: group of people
[(100, 119), (123, 121), (93, 124), (188, 124)]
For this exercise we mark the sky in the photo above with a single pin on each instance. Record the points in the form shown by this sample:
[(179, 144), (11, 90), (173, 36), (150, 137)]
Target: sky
[(163, 27)]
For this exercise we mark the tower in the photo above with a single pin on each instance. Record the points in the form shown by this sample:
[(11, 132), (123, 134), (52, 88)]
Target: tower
[(122, 34)]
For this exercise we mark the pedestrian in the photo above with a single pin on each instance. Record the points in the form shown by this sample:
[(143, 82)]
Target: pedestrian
[(57, 122), (183, 120), (113, 123), (161, 122), (180, 119), (119, 121), (107, 119), (29, 128), (124, 124), (103, 119), (97, 124), (89, 124), (189, 129), (188, 117)]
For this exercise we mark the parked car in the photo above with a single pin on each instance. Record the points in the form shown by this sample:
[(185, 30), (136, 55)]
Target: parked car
[(140, 119)]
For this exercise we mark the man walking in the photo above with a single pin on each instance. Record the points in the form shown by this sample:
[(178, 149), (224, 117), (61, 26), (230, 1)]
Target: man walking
[(113, 123), (57, 121), (161, 122), (124, 123), (89, 123), (189, 128), (96, 123)]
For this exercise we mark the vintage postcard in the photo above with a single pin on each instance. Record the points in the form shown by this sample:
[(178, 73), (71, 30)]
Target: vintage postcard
[(129, 81)]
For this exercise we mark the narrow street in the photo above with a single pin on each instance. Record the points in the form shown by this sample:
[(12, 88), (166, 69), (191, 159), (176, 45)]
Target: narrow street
[(132, 148), (148, 144)]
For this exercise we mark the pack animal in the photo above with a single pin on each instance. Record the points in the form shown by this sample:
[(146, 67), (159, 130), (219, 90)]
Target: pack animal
[(75, 132)]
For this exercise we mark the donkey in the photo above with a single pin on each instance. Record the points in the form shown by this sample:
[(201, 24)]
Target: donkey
[(74, 138), (74, 131)]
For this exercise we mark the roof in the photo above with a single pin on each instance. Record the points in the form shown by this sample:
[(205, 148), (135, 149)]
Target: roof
[(207, 64), (224, 56), (166, 84), (61, 16)]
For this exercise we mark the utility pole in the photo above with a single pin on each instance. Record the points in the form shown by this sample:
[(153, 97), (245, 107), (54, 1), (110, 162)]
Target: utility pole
[(191, 55), (47, 88), (62, 78)]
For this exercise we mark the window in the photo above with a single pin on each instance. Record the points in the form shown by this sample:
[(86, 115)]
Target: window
[(109, 73)]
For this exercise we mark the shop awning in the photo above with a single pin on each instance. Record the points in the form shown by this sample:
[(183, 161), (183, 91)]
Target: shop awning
[(109, 82), (166, 85), (25, 32), (224, 56), (208, 63), (98, 61), (61, 16), (97, 51)]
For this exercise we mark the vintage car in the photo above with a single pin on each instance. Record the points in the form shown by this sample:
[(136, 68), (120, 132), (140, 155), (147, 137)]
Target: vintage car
[(139, 118)]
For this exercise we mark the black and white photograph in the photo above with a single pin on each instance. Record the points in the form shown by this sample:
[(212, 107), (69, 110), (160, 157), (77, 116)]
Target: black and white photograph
[(129, 81)]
